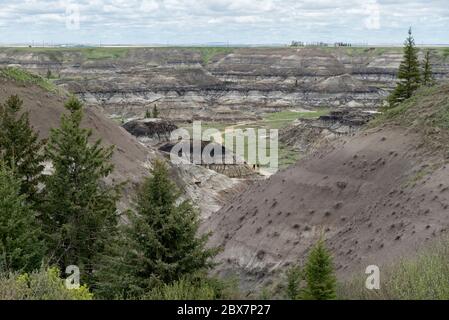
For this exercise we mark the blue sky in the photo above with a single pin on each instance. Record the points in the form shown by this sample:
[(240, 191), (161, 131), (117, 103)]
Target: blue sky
[(234, 21)]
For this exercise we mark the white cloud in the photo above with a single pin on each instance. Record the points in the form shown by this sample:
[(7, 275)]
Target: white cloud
[(236, 21)]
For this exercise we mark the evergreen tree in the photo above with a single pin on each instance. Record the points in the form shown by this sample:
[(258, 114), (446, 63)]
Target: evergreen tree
[(148, 114), (293, 288), (427, 77), (115, 275), (21, 248), (155, 112), (167, 232), (20, 147), (80, 209), (161, 244), (319, 274), (408, 74)]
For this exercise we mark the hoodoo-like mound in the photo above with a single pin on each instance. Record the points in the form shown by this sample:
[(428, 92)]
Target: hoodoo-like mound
[(375, 196), (229, 163)]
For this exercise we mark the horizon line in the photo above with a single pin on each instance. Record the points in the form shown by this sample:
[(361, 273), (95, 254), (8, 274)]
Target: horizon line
[(210, 44)]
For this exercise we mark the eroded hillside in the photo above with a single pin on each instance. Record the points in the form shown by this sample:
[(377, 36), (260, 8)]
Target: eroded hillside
[(224, 84), (379, 195)]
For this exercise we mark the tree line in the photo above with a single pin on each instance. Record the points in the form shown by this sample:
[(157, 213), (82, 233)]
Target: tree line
[(70, 216)]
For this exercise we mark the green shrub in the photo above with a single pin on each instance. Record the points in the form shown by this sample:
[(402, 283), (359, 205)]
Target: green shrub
[(40, 285), (425, 277), (199, 287), (414, 111), (181, 290)]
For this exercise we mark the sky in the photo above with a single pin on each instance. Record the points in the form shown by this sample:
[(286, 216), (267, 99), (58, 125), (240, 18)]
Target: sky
[(186, 22)]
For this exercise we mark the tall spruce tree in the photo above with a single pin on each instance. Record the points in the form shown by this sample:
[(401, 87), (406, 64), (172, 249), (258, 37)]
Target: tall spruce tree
[(427, 77), (80, 209), (294, 276), (409, 74), (319, 274), (161, 244), (20, 147), (21, 246)]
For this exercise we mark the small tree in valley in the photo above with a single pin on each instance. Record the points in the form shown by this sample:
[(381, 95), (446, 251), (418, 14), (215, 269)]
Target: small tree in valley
[(319, 274)]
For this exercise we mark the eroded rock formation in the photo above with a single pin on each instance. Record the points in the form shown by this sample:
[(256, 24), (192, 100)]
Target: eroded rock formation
[(231, 85), (305, 135)]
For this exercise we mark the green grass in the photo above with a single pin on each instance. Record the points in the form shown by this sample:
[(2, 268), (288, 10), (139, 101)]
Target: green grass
[(279, 120), (208, 53), (25, 77), (57, 54), (426, 104), (425, 277), (426, 113), (104, 53)]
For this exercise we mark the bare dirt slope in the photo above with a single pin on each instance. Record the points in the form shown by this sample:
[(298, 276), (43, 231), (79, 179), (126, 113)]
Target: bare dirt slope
[(376, 196)]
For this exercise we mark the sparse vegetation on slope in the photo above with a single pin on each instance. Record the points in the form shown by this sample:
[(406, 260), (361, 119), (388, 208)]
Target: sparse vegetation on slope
[(427, 111), (25, 77), (425, 277)]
